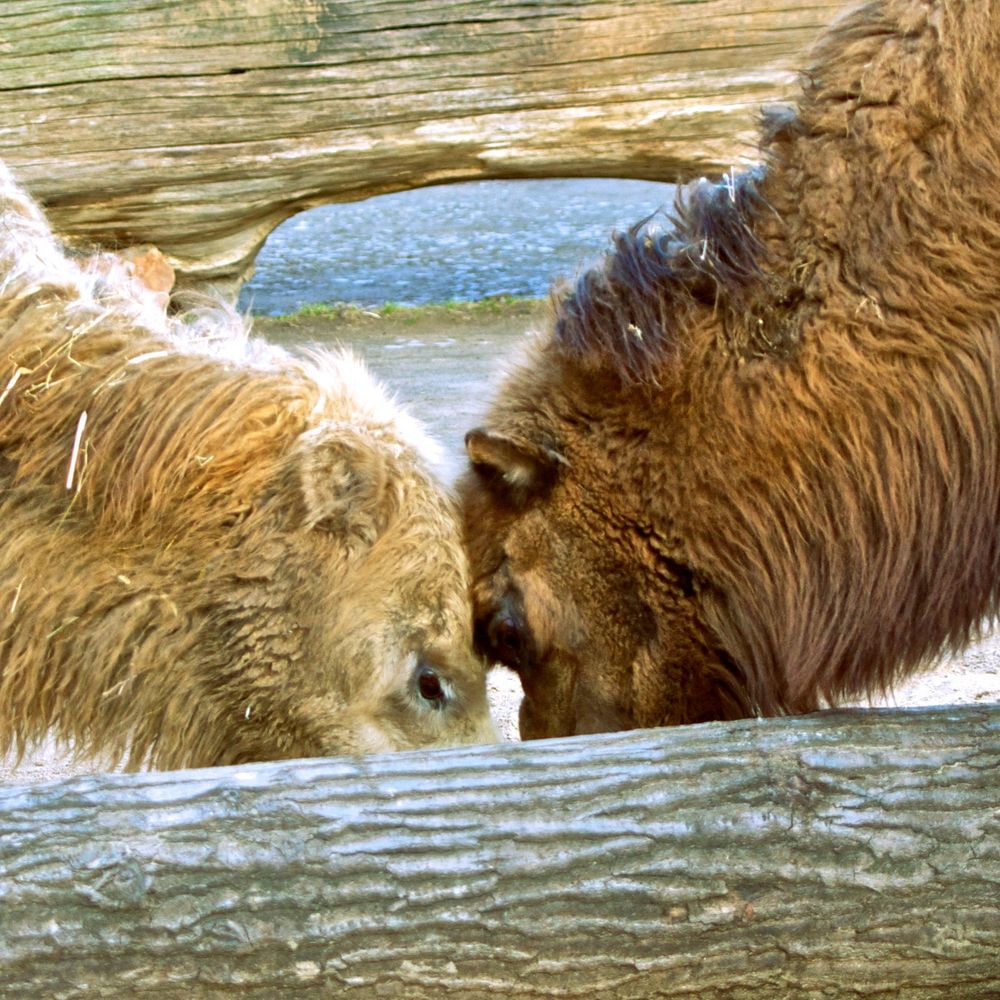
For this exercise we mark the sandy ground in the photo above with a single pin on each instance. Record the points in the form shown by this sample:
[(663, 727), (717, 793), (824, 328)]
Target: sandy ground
[(444, 364)]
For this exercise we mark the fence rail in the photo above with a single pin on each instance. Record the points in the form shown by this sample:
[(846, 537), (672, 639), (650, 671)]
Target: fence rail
[(835, 855), (200, 126)]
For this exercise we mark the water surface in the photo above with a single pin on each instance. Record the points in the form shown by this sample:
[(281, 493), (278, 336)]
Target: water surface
[(459, 241)]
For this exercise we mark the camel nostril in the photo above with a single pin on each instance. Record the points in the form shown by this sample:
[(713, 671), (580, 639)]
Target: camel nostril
[(505, 636), (508, 640)]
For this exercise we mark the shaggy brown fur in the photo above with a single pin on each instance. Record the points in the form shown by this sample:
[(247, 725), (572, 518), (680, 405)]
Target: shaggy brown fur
[(756, 460), (210, 551)]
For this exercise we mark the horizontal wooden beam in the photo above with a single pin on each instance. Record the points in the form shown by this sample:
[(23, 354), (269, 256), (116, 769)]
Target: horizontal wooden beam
[(198, 126), (837, 855)]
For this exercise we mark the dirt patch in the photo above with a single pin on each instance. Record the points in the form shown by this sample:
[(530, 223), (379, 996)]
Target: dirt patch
[(442, 362)]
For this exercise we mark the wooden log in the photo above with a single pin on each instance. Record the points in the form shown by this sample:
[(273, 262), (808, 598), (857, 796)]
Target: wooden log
[(838, 855), (198, 126)]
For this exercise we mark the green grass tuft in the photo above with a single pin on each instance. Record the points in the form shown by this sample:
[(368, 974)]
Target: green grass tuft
[(348, 312)]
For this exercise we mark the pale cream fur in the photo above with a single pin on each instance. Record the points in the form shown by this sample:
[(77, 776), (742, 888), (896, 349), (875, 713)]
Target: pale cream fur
[(252, 559)]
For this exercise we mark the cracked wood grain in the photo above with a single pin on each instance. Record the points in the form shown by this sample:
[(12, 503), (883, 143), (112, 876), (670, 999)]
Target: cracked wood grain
[(836, 855), (200, 126)]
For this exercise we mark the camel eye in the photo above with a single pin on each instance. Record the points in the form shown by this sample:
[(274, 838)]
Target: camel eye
[(429, 686)]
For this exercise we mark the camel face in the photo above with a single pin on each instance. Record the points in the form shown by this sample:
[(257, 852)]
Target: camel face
[(211, 551), (753, 464)]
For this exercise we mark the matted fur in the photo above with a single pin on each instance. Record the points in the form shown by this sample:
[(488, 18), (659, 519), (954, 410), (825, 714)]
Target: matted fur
[(777, 419), (210, 551)]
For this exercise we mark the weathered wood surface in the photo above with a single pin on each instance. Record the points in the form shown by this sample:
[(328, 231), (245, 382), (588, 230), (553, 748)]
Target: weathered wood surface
[(199, 125), (832, 856)]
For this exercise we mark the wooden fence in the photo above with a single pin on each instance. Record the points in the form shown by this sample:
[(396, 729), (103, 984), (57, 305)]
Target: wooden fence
[(200, 125), (836, 855)]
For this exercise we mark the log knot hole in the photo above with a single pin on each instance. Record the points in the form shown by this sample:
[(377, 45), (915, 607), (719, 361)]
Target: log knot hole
[(119, 884)]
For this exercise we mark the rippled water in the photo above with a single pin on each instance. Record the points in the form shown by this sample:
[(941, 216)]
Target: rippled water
[(461, 241)]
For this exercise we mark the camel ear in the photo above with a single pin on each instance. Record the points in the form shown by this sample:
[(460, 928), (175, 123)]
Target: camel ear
[(344, 482), (523, 466)]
